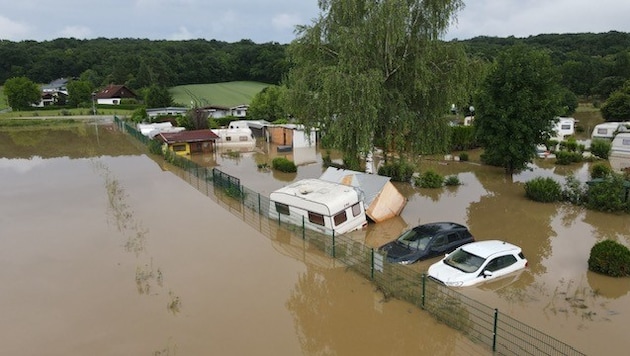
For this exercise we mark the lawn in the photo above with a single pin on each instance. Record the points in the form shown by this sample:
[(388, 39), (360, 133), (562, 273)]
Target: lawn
[(222, 94)]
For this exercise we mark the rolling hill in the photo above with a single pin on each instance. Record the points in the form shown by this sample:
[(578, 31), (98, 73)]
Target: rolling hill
[(223, 94)]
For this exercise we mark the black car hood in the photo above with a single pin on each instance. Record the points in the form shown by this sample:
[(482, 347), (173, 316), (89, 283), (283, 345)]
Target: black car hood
[(397, 252)]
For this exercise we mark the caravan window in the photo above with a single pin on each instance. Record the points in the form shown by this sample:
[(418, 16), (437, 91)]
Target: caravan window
[(340, 218), (566, 127), (356, 210), (243, 138), (316, 218), (602, 131), (282, 208)]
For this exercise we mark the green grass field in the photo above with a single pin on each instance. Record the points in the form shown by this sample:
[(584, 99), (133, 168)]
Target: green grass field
[(222, 94)]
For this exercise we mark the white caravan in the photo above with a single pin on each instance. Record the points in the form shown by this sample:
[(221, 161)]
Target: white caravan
[(620, 152), (608, 130), (235, 138), (319, 205)]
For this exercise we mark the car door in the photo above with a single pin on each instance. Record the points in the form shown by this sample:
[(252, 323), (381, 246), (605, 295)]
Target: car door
[(499, 266), (439, 245)]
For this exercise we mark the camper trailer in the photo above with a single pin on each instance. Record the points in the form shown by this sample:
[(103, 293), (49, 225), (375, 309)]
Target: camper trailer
[(235, 138), (608, 130), (565, 126), (620, 152), (319, 205)]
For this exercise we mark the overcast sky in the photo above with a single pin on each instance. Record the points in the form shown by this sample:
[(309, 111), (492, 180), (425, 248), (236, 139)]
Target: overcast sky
[(274, 20)]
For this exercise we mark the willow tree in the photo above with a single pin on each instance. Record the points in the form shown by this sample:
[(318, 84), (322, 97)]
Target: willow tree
[(370, 72)]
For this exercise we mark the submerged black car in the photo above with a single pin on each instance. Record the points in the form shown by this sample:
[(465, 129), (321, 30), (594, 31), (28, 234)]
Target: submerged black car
[(426, 241)]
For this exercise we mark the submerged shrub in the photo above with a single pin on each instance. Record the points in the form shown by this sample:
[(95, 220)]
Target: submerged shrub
[(430, 179), (610, 258), (600, 170), (452, 180), (573, 191), (283, 165), (608, 194), (399, 171), (601, 148), (566, 157), (463, 156), (543, 189)]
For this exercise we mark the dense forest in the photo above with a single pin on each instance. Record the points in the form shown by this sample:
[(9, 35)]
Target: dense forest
[(590, 64)]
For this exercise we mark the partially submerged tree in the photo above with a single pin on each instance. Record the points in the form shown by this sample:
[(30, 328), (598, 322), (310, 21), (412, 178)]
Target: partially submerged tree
[(516, 107), (21, 93), (375, 71)]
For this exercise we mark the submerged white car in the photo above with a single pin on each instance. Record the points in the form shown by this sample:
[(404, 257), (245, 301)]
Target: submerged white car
[(478, 262)]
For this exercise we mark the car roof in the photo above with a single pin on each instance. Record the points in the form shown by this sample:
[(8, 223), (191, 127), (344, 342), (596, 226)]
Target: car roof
[(485, 249), (441, 226)]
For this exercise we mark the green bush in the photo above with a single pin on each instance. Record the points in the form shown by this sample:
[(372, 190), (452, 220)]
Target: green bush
[(543, 189), (399, 171), (452, 180), (463, 138), (283, 165), (609, 195), (430, 179), (610, 258), (463, 156), (601, 148), (573, 192), (566, 157), (600, 170)]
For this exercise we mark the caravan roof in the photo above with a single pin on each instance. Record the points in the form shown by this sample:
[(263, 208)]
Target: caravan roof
[(322, 197)]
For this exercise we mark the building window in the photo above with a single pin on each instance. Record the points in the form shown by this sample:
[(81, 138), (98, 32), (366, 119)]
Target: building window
[(316, 218), (340, 218), (282, 208), (179, 148)]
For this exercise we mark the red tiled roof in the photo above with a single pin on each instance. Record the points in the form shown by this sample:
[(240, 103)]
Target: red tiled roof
[(115, 91), (188, 136)]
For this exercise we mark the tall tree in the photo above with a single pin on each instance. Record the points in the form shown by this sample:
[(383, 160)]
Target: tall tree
[(367, 67), (157, 96), (617, 106), (21, 93), (266, 105), (79, 92), (516, 107)]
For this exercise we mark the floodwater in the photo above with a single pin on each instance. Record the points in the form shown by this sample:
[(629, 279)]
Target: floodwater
[(104, 251)]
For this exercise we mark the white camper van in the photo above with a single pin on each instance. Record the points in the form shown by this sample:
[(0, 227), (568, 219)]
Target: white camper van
[(319, 205), (607, 130)]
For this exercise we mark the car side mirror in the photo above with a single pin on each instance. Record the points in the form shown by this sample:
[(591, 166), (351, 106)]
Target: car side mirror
[(487, 273)]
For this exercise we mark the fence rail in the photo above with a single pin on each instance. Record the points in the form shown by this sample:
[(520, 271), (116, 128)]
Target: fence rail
[(501, 333)]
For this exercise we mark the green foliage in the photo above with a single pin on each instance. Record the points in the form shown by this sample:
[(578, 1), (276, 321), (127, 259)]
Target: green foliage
[(609, 194), (568, 102), (600, 170), (267, 105), (140, 115), (21, 93), (462, 138), (463, 157), (158, 97), (399, 171), (430, 179), (516, 102), (155, 147), (80, 93), (283, 165), (375, 67), (610, 258), (566, 157), (573, 191), (452, 181), (617, 106), (543, 189), (601, 148)]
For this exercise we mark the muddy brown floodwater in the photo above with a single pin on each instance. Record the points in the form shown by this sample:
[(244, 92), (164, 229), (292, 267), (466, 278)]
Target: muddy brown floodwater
[(103, 251)]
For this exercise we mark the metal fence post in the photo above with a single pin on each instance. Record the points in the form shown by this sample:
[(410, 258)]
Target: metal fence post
[(494, 330), (372, 263), (424, 287), (259, 210)]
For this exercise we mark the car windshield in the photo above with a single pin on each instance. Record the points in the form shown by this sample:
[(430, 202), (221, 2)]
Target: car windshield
[(464, 261), (414, 239)]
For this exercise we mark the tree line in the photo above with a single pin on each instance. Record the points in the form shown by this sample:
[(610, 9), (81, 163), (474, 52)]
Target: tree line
[(591, 64)]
